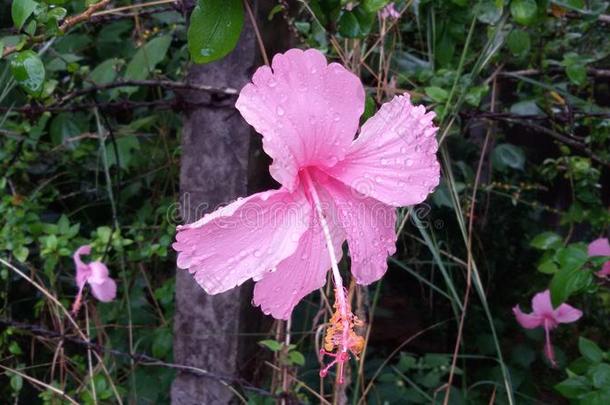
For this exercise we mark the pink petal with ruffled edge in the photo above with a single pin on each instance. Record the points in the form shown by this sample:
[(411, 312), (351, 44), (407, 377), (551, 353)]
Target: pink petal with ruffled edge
[(306, 110), (305, 271), (393, 159), (82, 269), (599, 247), (369, 226), (105, 290), (243, 240), (541, 304), (567, 314), (605, 271), (528, 321)]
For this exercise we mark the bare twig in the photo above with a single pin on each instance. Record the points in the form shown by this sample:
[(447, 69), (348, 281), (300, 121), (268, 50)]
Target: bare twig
[(168, 84), (140, 358), (65, 26)]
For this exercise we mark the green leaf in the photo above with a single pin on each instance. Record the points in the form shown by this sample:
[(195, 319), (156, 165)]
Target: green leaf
[(65, 126), (372, 6), (126, 146), (524, 11), (162, 345), (28, 71), (406, 362), (14, 348), (573, 387), (16, 382), (437, 94), (105, 72), (590, 350), (348, 25), (270, 344), (276, 9), (21, 253), (600, 375), (547, 267), (577, 73), (369, 108), (546, 241), (572, 257), (526, 107), (147, 57), (214, 29), (506, 155), (296, 358), (488, 11), (519, 43), (566, 282), (21, 10)]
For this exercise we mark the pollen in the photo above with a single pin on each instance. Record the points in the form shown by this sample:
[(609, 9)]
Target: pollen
[(341, 340)]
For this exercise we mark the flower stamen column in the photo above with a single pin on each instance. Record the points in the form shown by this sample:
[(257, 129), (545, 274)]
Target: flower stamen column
[(341, 297)]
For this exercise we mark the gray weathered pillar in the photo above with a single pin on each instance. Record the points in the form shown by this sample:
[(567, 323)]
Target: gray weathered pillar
[(215, 145)]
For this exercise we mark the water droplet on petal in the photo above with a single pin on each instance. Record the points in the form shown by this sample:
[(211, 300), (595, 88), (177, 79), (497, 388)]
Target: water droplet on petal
[(272, 83), (257, 253), (280, 111), (336, 117)]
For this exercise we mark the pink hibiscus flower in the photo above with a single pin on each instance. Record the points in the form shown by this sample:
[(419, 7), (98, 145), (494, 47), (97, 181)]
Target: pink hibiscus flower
[(601, 247), (390, 11), (333, 188), (96, 275), (544, 315)]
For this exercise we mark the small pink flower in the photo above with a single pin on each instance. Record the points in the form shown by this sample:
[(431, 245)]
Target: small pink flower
[(601, 247), (390, 11), (308, 112), (96, 275), (544, 315)]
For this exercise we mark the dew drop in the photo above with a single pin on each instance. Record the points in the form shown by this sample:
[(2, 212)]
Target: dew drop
[(403, 149), (336, 117), (409, 162), (280, 111), (272, 83), (257, 253)]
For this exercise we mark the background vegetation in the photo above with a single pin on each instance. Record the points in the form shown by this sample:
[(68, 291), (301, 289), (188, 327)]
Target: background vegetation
[(90, 151)]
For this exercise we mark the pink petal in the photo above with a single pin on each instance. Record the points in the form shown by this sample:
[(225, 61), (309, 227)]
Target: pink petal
[(541, 304), (306, 110), (599, 247), (104, 291), (82, 270), (243, 240), (370, 229), (393, 160), (99, 272), (305, 271), (528, 321), (605, 271), (566, 314)]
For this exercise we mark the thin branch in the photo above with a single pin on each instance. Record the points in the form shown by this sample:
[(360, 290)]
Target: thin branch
[(140, 358), (41, 383), (535, 72), (65, 26), (168, 84)]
